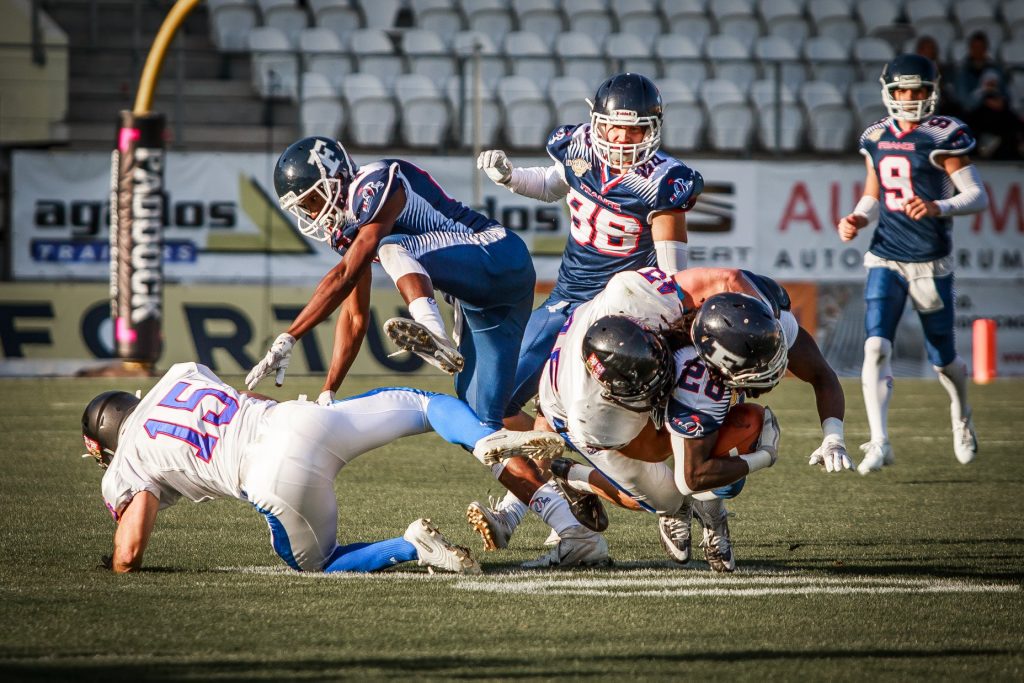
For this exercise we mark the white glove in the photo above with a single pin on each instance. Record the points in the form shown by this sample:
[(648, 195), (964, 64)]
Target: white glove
[(277, 358), (496, 165), (769, 440), (326, 398), (832, 454)]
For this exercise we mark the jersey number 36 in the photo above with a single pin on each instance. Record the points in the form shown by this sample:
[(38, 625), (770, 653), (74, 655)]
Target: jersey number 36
[(608, 232)]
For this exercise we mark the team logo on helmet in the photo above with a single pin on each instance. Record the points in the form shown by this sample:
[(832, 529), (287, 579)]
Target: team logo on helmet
[(326, 155), (579, 166), (595, 367)]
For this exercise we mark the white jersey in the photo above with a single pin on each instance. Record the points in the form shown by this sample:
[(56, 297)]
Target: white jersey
[(571, 398), (188, 437)]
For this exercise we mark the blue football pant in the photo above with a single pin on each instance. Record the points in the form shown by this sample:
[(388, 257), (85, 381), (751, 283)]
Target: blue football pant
[(885, 295), (541, 333)]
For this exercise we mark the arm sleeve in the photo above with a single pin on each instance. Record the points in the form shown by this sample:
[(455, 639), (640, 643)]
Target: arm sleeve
[(545, 184), (971, 198)]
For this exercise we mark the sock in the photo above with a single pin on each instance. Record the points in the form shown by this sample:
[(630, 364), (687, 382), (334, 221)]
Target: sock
[(954, 378), (579, 478), (455, 422), (553, 509), (512, 508), (424, 311), (876, 382), (369, 557)]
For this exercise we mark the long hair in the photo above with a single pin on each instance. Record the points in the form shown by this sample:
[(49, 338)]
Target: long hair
[(677, 334)]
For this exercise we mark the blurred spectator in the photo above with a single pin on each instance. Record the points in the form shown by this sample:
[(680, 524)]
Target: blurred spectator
[(969, 71), (999, 130), (949, 105)]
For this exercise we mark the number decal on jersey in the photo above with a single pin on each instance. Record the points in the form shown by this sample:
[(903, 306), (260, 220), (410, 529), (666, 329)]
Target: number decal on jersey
[(894, 175), (553, 368), (656, 276), (605, 230), (690, 380), (939, 121), (202, 442)]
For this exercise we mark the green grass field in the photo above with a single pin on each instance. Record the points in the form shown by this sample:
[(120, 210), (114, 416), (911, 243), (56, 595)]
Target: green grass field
[(913, 573)]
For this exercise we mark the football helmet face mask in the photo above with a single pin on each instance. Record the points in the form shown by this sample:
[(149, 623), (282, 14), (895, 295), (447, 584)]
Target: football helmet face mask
[(632, 363), (102, 421), (311, 179), (910, 72), (741, 341), (626, 100)]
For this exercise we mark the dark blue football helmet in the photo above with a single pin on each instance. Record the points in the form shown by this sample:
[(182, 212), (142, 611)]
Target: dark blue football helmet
[(740, 340), (631, 362), (626, 99), (311, 179), (910, 72)]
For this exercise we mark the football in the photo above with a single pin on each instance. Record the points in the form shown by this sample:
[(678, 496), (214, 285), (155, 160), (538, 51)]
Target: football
[(740, 431)]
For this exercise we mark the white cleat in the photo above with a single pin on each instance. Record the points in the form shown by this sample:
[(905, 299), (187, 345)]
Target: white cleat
[(411, 336), (579, 547), (490, 524), (965, 441), (434, 550), (674, 531), (552, 540), (716, 542), (505, 443), (876, 455)]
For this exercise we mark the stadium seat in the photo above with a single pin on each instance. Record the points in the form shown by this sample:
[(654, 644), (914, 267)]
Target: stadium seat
[(779, 57), (638, 17), (876, 16), (589, 17), (829, 61), (374, 53), (688, 19), (427, 55), (829, 120), (529, 56), (493, 17), (462, 111), (730, 60), (322, 53), (274, 64), (788, 134), (942, 30), (1013, 15), (683, 125), (320, 108), (1011, 53), (542, 17), (736, 18), (866, 99), (371, 110), (440, 16), (492, 64), (286, 16), (380, 13), (730, 117), (568, 96), (979, 16), (925, 10), (785, 18), (833, 18), (581, 57), (230, 24), (425, 112), (527, 113), (339, 16), (628, 52), (1015, 88), (680, 59), (871, 54)]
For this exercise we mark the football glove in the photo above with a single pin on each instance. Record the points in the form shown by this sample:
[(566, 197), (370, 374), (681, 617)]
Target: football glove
[(277, 359), (832, 454), (769, 439), (496, 165), (326, 398)]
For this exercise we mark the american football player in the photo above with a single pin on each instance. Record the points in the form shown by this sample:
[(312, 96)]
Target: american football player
[(918, 177), (196, 437), (620, 436)]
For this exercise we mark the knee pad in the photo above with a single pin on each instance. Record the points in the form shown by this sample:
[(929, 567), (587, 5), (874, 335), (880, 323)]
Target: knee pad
[(398, 261)]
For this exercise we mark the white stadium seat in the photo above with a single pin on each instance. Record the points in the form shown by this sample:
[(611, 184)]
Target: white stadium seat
[(493, 17), (736, 18), (542, 17), (322, 53), (371, 110), (462, 110), (380, 13), (339, 16), (829, 61), (730, 118), (492, 64), (440, 16), (829, 119), (680, 59), (1013, 14), (688, 19), (581, 57), (834, 18), (274, 64), (730, 60), (589, 17), (568, 96), (527, 113), (286, 16), (925, 10), (628, 52), (876, 15), (428, 55), (871, 54), (230, 24), (785, 18), (683, 124), (638, 17), (425, 112), (779, 57), (375, 54), (978, 16), (320, 108), (529, 56), (866, 98)]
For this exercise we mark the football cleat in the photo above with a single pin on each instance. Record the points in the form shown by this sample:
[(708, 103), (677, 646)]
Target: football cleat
[(674, 531), (434, 550), (505, 443), (491, 524), (585, 507), (579, 547), (414, 337), (716, 543), (965, 441), (876, 455), (552, 540)]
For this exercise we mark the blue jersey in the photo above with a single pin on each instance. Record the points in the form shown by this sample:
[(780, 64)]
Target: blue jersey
[(905, 162), (428, 208), (610, 216)]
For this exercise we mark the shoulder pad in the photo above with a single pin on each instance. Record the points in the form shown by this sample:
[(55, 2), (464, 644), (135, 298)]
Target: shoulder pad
[(370, 190), (679, 188), (774, 293), (559, 140)]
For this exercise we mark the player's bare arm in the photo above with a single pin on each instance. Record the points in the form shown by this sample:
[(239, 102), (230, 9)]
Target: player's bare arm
[(701, 471), (134, 528), (808, 364), (867, 208), (349, 332), (697, 284)]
